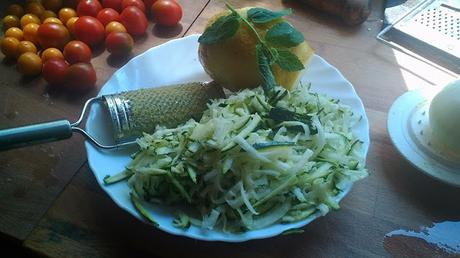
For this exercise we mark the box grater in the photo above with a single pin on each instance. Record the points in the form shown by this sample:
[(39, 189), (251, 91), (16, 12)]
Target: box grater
[(432, 30)]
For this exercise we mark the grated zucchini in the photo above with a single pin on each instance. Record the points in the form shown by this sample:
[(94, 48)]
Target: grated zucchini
[(248, 164)]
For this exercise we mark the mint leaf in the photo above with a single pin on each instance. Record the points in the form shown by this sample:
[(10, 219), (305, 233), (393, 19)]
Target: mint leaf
[(284, 35), (263, 61), (288, 61), (223, 28), (261, 15)]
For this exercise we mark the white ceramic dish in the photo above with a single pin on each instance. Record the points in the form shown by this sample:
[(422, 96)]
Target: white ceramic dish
[(177, 62), (408, 126)]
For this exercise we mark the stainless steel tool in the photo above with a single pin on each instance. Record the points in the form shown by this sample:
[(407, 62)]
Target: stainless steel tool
[(131, 113), (430, 32)]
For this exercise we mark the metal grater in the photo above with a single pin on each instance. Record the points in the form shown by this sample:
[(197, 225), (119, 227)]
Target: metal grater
[(135, 112), (432, 30), (131, 114)]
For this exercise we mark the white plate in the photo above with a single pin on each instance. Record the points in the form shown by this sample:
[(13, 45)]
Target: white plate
[(177, 62), (408, 126)]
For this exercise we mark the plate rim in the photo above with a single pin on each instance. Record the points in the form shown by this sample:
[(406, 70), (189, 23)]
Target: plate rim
[(396, 133), (245, 236)]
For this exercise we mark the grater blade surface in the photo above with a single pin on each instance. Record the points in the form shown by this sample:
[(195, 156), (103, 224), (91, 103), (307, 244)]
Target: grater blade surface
[(432, 30), (135, 112)]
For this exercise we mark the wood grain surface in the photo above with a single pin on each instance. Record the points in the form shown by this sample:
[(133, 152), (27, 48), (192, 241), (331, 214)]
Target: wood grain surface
[(33, 177), (84, 222)]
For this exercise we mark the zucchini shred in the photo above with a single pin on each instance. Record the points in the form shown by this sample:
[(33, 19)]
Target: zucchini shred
[(240, 168)]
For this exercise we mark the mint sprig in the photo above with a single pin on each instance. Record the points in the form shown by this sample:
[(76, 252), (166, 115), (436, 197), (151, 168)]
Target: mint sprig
[(223, 28), (270, 50), (288, 61), (284, 35), (263, 61), (261, 15)]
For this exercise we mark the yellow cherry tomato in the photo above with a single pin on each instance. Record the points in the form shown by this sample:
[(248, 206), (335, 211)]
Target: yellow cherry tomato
[(71, 24), (35, 8), (10, 46), (14, 32), (47, 14), (30, 32), (29, 64), (26, 46), (114, 26), (53, 5), (52, 19), (15, 10), (29, 18), (66, 13), (10, 21), (51, 53)]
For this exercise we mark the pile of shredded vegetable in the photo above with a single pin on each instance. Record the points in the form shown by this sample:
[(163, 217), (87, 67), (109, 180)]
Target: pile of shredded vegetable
[(250, 161)]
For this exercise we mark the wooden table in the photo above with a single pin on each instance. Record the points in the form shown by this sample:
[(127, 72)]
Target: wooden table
[(50, 203)]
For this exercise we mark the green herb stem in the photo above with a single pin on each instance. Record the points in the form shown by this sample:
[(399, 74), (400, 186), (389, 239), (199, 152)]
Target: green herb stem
[(247, 23), (270, 49)]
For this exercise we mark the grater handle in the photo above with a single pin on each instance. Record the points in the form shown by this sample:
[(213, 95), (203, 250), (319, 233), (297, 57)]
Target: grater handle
[(35, 134)]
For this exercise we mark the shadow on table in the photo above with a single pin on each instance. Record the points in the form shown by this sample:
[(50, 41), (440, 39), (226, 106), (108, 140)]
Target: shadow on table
[(98, 49), (435, 200), (14, 248), (322, 18), (167, 31), (116, 61)]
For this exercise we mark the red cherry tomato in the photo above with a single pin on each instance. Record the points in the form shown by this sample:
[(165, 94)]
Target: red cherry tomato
[(88, 8), (55, 70), (107, 15), (114, 4), (138, 3), (166, 12), (89, 30), (148, 3), (77, 52), (134, 20), (119, 43), (81, 76), (52, 35)]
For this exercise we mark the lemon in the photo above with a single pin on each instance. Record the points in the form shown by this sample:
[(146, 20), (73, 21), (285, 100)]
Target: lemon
[(232, 63), (444, 116)]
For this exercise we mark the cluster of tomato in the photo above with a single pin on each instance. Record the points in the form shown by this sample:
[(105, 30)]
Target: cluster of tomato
[(54, 37)]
